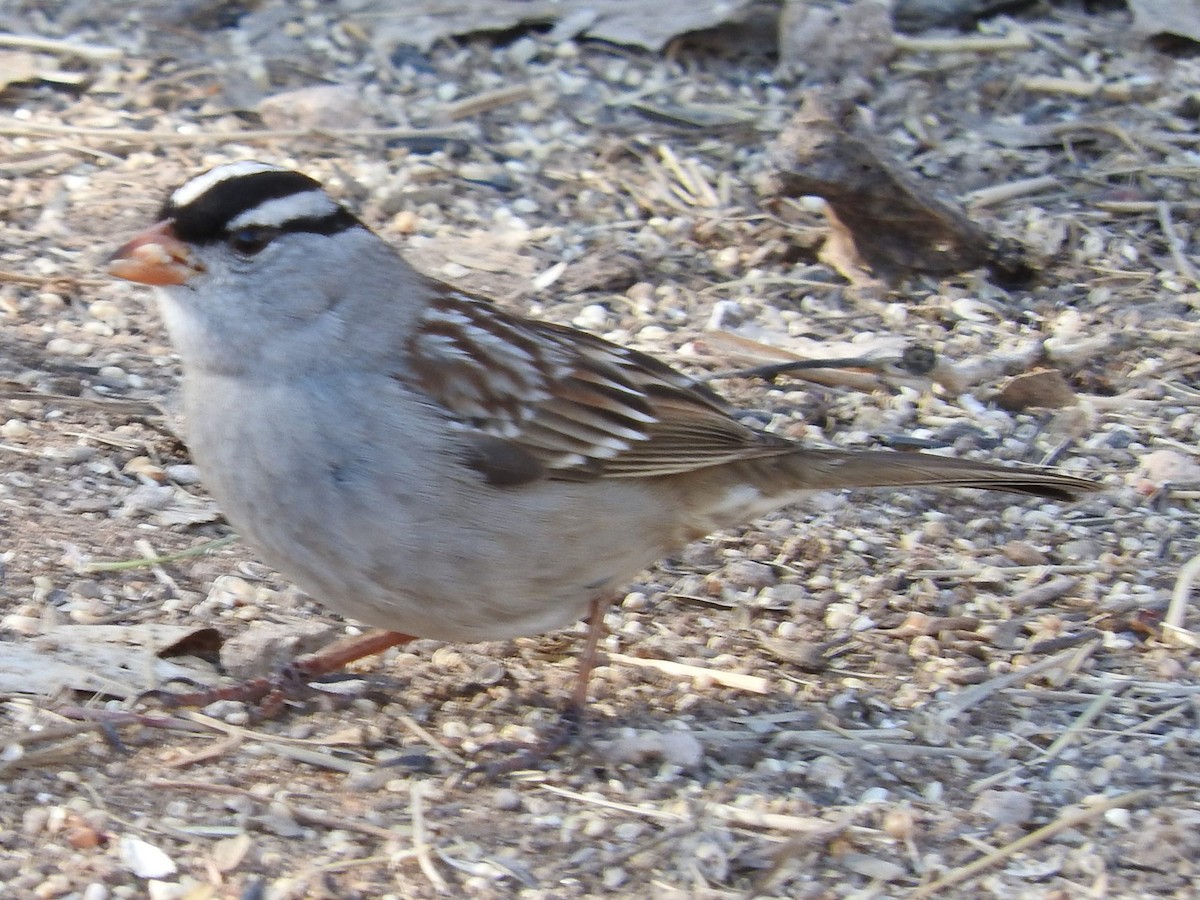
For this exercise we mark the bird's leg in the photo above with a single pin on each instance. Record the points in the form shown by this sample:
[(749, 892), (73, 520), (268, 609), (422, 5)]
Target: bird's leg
[(587, 661), (568, 726), (270, 692)]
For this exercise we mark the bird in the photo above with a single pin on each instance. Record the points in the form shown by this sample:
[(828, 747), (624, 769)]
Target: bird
[(417, 458)]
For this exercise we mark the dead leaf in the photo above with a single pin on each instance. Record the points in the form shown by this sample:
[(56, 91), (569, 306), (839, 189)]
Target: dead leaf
[(897, 226), (17, 67), (423, 23), (112, 660), (1044, 388), (1167, 18), (20, 66), (601, 270), (840, 253)]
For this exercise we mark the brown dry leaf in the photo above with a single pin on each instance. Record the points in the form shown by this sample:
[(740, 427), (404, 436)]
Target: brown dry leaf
[(898, 227), (114, 660), (423, 24), (1169, 18), (1043, 388), (840, 253), (228, 853)]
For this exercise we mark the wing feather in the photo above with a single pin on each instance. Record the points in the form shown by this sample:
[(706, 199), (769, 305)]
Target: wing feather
[(580, 406)]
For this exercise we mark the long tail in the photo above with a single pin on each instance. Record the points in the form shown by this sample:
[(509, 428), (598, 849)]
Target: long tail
[(826, 469)]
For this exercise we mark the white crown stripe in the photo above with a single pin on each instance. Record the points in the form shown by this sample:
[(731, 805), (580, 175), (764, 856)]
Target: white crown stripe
[(314, 204), (203, 183)]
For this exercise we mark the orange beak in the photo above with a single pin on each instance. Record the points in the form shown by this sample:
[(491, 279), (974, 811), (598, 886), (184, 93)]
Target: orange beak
[(155, 256)]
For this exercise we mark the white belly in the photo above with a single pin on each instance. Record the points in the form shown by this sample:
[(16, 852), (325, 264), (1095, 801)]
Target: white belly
[(376, 534)]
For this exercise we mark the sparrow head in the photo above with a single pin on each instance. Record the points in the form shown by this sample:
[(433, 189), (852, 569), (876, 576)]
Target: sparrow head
[(225, 219)]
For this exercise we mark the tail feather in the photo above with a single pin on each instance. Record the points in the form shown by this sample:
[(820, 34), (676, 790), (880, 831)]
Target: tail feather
[(827, 469)]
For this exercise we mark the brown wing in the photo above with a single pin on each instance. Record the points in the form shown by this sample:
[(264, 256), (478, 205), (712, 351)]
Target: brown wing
[(577, 405)]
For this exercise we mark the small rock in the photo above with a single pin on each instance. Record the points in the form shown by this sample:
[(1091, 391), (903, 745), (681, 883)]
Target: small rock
[(1023, 553), (266, 647), (1162, 466), (279, 821), (676, 748), (145, 498), (143, 859), (746, 573), (320, 106), (165, 890), (682, 749), (1044, 388), (507, 799), (34, 820), (828, 772), (183, 473), (592, 317), (1004, 807), (15, 430), (61, 346), (873, 867)]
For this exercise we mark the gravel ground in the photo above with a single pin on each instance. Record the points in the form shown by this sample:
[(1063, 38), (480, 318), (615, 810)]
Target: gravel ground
[(898, 695)]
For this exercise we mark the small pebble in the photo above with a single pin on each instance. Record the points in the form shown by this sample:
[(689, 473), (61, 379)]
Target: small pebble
[(34, 819), (507, 799), (61, 346), (726, 259), (653, 334), (183, 473), (1004, 807), (592, 317), (873, 867), (614, 877), (1120, 817), (15, 430), (1065, 773), (1023, 553), (107, 311)]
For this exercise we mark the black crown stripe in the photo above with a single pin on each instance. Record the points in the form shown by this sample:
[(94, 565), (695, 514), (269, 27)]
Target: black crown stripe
[(205, 218)]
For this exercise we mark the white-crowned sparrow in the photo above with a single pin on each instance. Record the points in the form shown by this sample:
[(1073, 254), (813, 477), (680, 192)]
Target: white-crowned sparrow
[(423, 461)]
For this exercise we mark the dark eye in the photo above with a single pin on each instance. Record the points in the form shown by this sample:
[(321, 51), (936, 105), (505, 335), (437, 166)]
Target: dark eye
[(249, 241)]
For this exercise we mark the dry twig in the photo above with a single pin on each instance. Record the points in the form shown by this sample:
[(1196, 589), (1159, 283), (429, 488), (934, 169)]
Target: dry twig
[(1072, 819), (742, 682)]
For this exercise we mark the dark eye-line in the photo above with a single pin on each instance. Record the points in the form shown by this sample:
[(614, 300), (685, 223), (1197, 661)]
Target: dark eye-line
[(251, 240)]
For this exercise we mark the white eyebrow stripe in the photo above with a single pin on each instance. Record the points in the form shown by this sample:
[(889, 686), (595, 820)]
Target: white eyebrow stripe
[(314, 204), (202, 183)]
